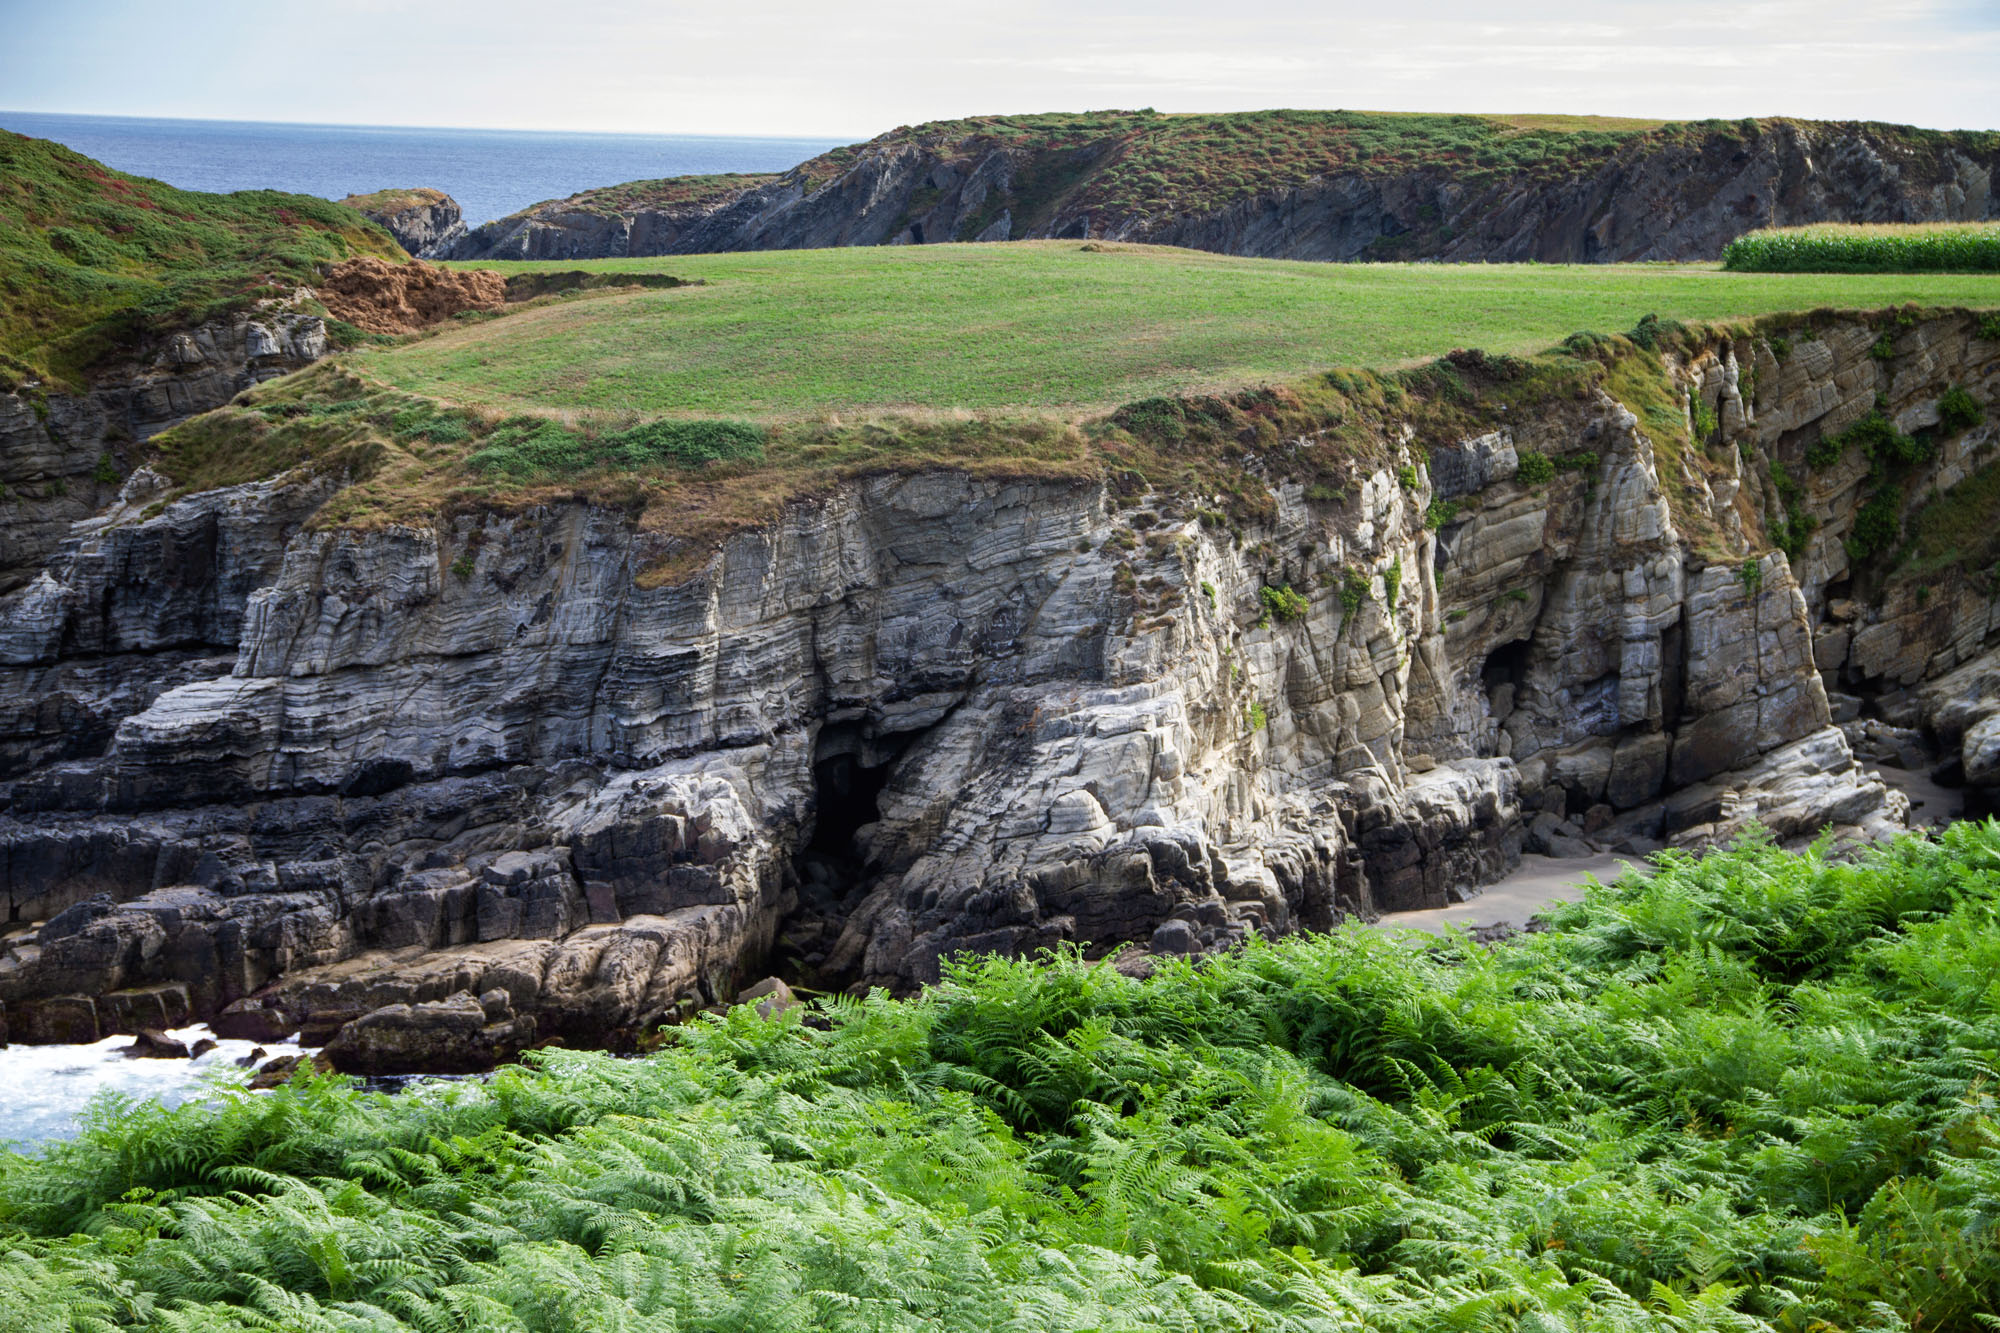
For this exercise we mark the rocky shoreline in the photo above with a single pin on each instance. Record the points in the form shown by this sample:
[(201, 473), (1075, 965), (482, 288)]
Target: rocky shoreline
[(434, 794)]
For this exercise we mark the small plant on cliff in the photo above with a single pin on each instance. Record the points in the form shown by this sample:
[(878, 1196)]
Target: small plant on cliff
[(1989, 326), (106, 472), (462, 567), (1208, 591), (1406, 476), (1440, 513), (1353, 592), (1751, 572), (1535, 469), (1392, 583), (1281, 604), (1705, 422), (1959, 411), (1884, 348), (1254, 716)]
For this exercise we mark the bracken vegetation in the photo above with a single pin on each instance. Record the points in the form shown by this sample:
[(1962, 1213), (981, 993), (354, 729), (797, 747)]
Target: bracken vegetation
[(93, 259), (1923, 247), (1755, 1092)]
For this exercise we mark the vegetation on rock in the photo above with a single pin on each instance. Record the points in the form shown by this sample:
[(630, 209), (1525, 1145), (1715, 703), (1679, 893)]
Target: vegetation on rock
[(1751, 1093)]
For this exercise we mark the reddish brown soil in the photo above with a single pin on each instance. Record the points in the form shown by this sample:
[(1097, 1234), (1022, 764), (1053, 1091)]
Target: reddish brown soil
[(402, 298)]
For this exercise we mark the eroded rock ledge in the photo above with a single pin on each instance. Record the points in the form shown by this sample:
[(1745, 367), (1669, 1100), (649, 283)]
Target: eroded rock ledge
[(440, 792)]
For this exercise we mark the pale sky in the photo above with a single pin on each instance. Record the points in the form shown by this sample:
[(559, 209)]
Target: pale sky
[(855, 69)]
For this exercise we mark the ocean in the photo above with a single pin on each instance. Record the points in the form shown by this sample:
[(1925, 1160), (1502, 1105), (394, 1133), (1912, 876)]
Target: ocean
[(490, 172)]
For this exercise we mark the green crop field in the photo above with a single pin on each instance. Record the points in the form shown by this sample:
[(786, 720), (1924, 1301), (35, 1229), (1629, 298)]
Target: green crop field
[(1754, 1094), (1053, 325), (1875, 247)]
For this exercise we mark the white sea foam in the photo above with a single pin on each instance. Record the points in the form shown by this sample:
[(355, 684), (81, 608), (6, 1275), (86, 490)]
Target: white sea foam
[(44, 1088)]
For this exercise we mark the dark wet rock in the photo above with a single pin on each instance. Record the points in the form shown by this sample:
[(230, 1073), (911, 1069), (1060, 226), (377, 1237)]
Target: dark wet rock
[(154, 1045)]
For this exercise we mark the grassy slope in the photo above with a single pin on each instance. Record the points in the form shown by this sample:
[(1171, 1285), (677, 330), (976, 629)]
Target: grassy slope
[(1050, 325), (1752, 1094), (91, 258)]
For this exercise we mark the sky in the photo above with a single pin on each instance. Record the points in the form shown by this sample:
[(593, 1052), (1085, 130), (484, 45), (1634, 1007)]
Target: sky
[(856, 68)]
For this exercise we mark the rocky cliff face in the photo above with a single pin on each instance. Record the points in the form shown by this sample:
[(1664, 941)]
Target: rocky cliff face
[(64, 456), (1654, 199), (425, 222), (438, 792)]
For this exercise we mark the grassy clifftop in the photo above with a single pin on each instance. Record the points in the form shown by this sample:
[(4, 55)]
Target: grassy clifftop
[(704, 409), (91, 258), (1143, 164)]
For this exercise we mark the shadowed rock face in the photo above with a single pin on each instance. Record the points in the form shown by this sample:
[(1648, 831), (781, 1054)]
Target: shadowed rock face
[(1654, 199), (302, 778)]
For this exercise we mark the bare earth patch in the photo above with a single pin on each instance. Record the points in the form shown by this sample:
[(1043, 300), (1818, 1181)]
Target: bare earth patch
[(403, 298)]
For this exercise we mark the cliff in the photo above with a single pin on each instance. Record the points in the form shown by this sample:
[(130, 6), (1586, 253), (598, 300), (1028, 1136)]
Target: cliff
[(438, 787), (1294, 185), (425, 222)]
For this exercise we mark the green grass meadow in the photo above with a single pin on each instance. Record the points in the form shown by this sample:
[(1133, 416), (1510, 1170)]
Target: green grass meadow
[(1054, 326)]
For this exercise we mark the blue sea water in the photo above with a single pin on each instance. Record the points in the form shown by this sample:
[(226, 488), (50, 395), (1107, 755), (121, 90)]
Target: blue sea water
[(490, 172)]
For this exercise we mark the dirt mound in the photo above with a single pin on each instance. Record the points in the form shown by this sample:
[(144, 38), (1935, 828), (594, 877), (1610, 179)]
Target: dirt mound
[(402, 298)]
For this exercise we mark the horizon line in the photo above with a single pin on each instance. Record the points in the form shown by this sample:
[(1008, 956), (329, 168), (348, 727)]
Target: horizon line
[(452, 129)]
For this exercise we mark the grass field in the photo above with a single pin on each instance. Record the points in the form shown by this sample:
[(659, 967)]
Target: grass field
[(1051, 325)]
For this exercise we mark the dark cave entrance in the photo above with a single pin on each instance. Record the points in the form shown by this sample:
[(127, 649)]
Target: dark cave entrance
[(1502, 673), (835, 871)]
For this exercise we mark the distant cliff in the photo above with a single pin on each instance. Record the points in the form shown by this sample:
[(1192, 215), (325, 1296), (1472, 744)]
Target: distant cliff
[(1293, 185), (425, 222)]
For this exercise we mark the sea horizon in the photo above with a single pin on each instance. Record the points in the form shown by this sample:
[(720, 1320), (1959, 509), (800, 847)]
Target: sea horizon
[(491, 173)]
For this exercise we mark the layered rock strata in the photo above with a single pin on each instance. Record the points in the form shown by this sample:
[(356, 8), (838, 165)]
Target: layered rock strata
[(433, 793), (1680, 197)]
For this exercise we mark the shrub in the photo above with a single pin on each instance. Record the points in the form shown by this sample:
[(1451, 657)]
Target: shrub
[(1440, 513), (1989, 326), (1535, 469), (1884, 348), (462, 567), (1406, 475), (1392, 583), (1706, 423), (1254, 716), (1752, 575), (1282, 604), (106, 472), (1959, 411), (1878, 525), (1353, 592)]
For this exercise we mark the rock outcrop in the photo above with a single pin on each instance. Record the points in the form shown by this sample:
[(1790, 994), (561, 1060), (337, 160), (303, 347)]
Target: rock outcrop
[(1658, 196), (425, 222), (64, 456), (432, 794)]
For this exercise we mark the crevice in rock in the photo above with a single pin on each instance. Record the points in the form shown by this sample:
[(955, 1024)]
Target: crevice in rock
[(835, 865)]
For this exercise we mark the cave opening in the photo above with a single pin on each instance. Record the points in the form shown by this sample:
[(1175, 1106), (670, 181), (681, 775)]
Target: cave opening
[(834, 864), (1502, 673)]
